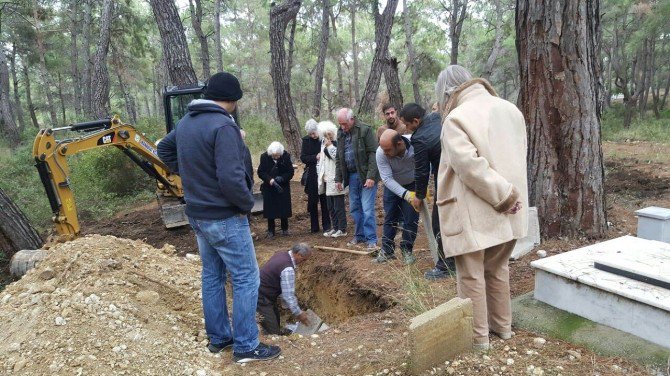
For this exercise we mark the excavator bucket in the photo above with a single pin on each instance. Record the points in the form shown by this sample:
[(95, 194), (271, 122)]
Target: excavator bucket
[(172, 212), (173, 215), (258, 203)]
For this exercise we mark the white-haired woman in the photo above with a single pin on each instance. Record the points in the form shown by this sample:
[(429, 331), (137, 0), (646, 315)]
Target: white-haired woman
[(326, 179), (310, 156), (276, 170), (482, 194)]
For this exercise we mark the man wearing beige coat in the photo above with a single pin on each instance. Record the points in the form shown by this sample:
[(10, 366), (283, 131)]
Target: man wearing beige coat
[(482, 194)]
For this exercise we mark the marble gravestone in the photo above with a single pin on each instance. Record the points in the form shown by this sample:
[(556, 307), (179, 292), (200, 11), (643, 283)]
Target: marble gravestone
[(653, 223), (622, 283), (525, 245)]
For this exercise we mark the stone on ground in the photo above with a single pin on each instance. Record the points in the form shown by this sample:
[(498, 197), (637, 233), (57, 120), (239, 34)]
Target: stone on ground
[(440, 334)]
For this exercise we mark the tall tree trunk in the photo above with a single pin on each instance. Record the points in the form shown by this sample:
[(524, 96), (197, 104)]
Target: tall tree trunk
[(15, 85), (175, 48), (44, 74), (456, 18), (497, 49), (117, 63), (100, 81), (74, 58), (354, 49), (16, 232), (410, 52), (291, 48), (383, 26), (8, 127), (393, 81), (61, 98), (665, 93), (557, 44), (321, 61), (88, 65), (339, 58), (280, 16), (196, 22), (29, 98), (147, 106), (217, 36), (644, 77)]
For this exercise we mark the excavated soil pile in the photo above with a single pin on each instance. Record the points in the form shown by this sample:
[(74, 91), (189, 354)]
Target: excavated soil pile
[(104, 305)]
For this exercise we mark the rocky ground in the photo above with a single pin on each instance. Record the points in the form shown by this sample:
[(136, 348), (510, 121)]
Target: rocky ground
[(103, 305)]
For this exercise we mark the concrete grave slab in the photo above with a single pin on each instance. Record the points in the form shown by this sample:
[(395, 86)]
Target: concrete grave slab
[(525, 246), (570, 282), (652, 267), (653, 223), (440, 334)]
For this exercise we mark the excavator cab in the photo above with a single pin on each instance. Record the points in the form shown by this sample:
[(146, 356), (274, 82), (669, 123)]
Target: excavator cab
[(176, 100)]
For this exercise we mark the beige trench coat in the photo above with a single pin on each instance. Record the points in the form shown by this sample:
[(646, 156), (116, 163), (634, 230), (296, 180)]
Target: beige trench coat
[(482, 171)]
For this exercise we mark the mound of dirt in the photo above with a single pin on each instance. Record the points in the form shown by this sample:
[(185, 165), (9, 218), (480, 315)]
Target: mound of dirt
[(100, 305)]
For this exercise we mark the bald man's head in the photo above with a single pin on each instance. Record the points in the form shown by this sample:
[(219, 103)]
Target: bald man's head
[(345, 118), (392, 143)]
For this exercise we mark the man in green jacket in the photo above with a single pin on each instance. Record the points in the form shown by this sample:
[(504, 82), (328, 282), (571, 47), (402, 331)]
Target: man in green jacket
[(356, 167)]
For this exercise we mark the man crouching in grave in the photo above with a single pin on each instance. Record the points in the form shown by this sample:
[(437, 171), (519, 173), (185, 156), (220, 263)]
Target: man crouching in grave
[(278, 279)]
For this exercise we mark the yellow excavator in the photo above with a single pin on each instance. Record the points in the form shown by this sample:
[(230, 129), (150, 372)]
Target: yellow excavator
[(51, 161), (51, 155)]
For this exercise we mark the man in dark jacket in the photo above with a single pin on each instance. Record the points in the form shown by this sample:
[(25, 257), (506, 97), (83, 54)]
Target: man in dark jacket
[(427, 129), (356, 167), (278, 279), (207, 149)]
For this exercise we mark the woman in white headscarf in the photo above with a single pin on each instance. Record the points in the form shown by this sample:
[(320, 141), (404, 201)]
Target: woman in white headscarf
[(276, 170), (482, 194)]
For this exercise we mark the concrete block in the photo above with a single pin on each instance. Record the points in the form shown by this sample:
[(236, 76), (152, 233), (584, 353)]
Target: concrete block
[(525, 245), (315, 324), (440, 334), (653, 223)]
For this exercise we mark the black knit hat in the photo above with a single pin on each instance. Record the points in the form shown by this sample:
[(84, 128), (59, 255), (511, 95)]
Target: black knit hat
[(223, 86)]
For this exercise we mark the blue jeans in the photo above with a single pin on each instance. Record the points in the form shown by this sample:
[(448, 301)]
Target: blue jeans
[(396, 210), (362, 208), (226, 246)]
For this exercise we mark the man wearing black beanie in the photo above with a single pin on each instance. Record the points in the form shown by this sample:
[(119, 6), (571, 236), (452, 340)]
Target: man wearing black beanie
[(207, 150)]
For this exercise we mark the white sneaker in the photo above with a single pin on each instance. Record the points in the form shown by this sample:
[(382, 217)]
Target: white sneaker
[(338, 234), (329, 233)]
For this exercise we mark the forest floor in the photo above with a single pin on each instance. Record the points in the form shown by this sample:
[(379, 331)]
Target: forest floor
[(367, 306)]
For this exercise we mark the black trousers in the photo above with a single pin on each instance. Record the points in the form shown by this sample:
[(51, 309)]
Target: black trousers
[(269, 315), (338, 212), (313, 201), (271, 225)]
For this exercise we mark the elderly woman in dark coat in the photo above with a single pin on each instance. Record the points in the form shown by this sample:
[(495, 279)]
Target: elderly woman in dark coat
[(276, 170), (311, 151)]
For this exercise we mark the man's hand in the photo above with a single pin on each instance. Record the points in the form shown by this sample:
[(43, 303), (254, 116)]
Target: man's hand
[(410, 196), (339, 186), (302, 317), (318, 157), (515, 209), (369, 183), (417, 203), (272, 181)]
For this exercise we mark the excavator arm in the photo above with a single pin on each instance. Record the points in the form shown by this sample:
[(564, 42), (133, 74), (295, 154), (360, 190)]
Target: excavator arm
[(51, 161)]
